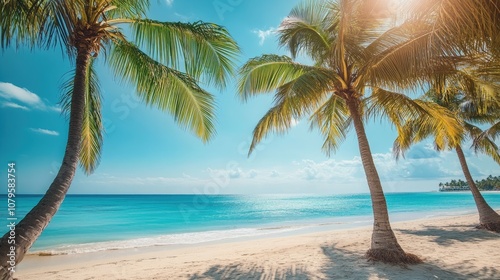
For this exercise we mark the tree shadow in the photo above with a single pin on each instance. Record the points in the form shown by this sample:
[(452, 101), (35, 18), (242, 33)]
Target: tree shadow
[(445, 237), (360, 268), (244, 272), (345, 264)]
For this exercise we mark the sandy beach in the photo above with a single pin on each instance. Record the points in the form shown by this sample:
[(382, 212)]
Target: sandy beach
[(450, 246)]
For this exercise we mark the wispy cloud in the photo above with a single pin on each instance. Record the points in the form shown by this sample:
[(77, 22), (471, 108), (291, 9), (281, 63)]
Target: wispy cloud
[(425, 164), (14, 95), (183, 17), (264, 34), (45, 131), (7, 104), (169, 2)]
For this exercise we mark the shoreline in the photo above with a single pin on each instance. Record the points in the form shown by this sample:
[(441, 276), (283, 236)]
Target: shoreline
[(268, 230), (450, 246)]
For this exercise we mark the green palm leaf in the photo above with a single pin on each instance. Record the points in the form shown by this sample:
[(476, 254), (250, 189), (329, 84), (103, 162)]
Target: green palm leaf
[(271, 72), (409, 43), (469, 25), (165, 88), (411, 132), (92, 131), (415, 114), (11, 28), (304, 30), (333, 120), (484, 141), (493, 132), (204, 50), (128, 8), (278, 120), (299, 90)]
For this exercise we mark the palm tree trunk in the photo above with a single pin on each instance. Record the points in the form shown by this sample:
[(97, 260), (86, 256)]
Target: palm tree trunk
[(384, 246), (32, 225), (488, 218)]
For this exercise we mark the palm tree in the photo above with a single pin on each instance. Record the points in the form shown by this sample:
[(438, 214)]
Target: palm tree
[(87, 28), (352, 54), (469, 95)]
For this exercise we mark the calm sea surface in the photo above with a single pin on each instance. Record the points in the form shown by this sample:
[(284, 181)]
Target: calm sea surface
[(87, 223)]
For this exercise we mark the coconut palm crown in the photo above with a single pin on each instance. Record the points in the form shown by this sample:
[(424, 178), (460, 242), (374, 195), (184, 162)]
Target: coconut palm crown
[(164, 62), (358, 64)]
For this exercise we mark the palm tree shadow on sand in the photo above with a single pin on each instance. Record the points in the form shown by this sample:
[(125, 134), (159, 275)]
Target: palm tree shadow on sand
[(361, 269), (345, 264), (446, 237), (242, 271)]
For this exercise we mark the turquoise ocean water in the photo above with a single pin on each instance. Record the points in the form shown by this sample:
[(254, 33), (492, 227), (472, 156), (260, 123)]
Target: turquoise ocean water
[(89, 223)]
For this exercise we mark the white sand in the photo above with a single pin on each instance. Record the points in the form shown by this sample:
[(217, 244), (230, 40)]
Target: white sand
[(451, 248)]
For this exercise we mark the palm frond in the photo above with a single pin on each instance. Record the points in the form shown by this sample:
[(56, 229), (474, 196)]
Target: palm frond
[(204, 50), (28, 22), (333, 120), (411, 132), (293, 100), (493, 132), (13, 23), (165, 88), (402, 57), (305, 30), (469, 25), (488, 147), (92, 130), (482, 91), (429, 116), (396, 106), (307, 92), (278, 120), (128, 9), (270, 72)]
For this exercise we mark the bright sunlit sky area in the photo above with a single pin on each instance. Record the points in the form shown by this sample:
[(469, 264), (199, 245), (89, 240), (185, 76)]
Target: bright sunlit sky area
[(146, 152)]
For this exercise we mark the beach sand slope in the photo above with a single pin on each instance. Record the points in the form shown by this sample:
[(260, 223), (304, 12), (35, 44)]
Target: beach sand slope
[(451, 249)]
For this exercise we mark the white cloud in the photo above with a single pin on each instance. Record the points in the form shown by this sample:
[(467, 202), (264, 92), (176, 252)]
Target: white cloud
[(182, 17), (422, 151), (12, 92), (422, 173), (344, 170), (274, 173), (424, 164), (253, 173), (14, 105), (169, 2), (264, 34), (234, 172), (45, 131)]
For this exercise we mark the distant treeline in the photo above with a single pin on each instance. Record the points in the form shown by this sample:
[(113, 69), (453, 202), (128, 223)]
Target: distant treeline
[(492, 183)]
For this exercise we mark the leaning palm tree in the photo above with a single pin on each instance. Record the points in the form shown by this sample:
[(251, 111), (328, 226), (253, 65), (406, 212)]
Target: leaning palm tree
[(356, 63), (469, 95), (147, 57)]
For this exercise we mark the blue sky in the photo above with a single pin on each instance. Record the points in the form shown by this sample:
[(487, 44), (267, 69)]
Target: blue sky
[(146, 152)]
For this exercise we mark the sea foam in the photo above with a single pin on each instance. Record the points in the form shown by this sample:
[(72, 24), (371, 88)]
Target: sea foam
[(165, 240)]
